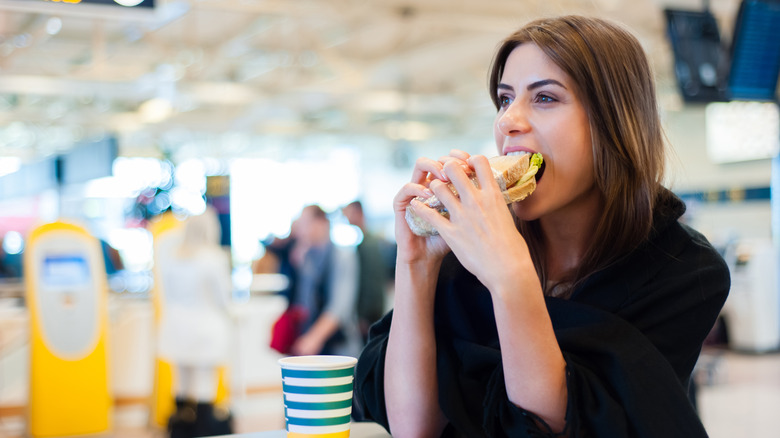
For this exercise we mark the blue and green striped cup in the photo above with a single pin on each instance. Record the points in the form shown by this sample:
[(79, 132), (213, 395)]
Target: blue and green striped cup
[(317, 395)]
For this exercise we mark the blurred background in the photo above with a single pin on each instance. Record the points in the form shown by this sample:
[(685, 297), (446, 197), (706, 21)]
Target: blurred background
[(113, 113)]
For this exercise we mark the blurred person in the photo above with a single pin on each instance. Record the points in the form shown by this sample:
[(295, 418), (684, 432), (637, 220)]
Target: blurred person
[(278, 259), (195, 331), (579, 311), (373, 272), (326, 289)]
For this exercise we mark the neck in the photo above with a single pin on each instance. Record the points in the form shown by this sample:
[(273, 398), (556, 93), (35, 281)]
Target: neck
[(568, 236)]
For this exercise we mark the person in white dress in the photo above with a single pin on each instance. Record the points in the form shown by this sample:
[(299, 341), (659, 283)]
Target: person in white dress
[(195, 331)]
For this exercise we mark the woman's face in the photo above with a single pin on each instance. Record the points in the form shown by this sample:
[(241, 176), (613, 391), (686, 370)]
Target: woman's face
[(541, 112)]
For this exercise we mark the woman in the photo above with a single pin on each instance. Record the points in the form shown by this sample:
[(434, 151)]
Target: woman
[(195, 331), (583, 316)]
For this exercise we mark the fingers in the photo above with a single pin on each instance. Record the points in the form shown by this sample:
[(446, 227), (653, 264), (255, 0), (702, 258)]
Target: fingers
[(483, 170), (458, 175), (472, 183), (459, 157), (476, 187), (430, 214), (431, 177), (426, 169), (408, 192), (457, 153)]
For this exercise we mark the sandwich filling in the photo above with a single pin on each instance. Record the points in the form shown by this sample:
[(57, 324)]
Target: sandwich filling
[(534, 168)]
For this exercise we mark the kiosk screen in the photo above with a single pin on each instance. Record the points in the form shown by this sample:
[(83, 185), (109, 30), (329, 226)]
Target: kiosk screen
[(65, 271)]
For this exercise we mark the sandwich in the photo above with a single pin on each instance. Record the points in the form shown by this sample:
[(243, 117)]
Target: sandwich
[(515, 174)]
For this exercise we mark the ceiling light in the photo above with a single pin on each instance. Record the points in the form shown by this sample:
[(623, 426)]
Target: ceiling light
[(155, 110)]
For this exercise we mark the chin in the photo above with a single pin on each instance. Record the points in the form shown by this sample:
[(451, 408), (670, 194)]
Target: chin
[(525, 211)]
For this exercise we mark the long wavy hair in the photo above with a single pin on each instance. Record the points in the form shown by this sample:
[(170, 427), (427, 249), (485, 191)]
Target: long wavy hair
[(616, 85)]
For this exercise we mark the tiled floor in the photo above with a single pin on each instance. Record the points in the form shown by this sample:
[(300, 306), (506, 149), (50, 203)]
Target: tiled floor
[(739, 397)]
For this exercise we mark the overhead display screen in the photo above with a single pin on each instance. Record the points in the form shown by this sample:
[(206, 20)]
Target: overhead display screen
[(755, 63)]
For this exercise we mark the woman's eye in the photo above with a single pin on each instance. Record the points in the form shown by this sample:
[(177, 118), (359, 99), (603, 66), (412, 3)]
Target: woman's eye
[(505, 101), (543, 98)]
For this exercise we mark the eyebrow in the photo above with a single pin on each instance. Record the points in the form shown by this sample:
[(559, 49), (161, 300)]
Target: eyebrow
[(534, 85)]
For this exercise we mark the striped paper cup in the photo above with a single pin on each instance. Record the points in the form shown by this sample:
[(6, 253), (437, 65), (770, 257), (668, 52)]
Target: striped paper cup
[(317, 395)]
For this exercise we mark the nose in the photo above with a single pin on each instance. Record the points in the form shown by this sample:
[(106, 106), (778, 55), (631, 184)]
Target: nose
[(513, 120)]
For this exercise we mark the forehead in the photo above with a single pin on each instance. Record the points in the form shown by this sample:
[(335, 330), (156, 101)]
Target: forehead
[(528, 63)]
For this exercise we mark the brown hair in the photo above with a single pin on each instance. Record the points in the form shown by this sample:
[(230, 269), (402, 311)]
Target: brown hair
[(316, 212), (615, 83)]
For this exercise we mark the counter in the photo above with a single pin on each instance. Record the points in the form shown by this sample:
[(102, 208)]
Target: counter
[(357, 430)]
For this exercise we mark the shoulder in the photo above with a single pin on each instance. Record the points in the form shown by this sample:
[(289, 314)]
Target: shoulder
[(681, 255), (677, 247), (698, 245), (686, 249), (677, 286), (675, 263)]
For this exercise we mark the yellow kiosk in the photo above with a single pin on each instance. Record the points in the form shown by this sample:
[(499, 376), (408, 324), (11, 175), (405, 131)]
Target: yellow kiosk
[(66, 292)]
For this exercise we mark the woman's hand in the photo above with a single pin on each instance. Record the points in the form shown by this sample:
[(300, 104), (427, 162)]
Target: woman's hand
[(413, 248), (480, 231), (482, 234), (410, 383)]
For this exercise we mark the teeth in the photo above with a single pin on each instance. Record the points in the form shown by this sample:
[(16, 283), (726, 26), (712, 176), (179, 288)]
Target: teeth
[(517, 153)]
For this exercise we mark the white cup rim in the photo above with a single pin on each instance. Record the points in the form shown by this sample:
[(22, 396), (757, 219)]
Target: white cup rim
[(317, 362)]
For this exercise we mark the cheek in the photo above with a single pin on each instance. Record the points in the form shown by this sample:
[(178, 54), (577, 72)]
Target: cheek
[(574, 166), (576, 155)]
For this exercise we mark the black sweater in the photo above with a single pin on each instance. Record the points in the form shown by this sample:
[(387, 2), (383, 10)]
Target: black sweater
[(630, 335)]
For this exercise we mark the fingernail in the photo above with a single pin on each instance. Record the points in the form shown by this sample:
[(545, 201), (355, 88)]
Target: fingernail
[(444, 176), (428, 193)]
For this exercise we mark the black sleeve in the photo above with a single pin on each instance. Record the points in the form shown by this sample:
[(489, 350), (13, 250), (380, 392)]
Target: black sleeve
[(369, 394)]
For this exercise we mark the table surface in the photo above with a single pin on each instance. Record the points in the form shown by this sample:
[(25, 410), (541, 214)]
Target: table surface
[(357, 430)]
